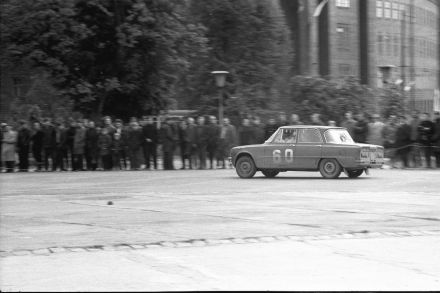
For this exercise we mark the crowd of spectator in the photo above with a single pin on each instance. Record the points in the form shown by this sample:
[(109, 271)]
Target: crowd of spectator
[(200, 142)]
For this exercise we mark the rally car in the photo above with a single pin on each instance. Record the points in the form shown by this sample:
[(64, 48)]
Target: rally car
[(328, 149)]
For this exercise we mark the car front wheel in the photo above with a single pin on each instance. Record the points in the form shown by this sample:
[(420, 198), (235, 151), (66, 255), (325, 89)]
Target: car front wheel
[(330, 168), (270, 173), (355, 173), (245, 167)]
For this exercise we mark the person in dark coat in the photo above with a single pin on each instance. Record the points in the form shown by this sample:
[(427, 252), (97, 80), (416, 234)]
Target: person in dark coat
[(360, 129), (201, 141), (415, 153), (349, 123), (37, 145), (60, 148), (135, 139), (436, 139), (119, 128), (105, 149), (246, 133), (118, 151), (192, 143), (150, 134), (184, 144), (270, 128), (24, 138), (403, 141), (213, 136), (48, 143), (70, 135), (258, 129), (79, 143), (166, 134), (426, 131), (92, 148), (228, 140), (9, 145)]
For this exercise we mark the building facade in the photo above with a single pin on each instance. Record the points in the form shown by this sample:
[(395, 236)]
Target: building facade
[(381, 42)]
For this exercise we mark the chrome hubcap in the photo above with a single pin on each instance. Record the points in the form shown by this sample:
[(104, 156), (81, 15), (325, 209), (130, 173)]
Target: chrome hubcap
[(329, 167)]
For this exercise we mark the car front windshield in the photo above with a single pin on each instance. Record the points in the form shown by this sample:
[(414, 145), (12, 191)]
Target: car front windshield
[(338, 136)]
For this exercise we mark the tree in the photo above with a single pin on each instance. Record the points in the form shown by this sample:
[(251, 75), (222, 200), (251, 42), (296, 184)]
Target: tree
[(251, 41), (112, 57), (331, 98)]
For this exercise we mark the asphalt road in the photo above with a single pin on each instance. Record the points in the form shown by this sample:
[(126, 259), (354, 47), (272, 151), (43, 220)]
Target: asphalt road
[(51, 219)]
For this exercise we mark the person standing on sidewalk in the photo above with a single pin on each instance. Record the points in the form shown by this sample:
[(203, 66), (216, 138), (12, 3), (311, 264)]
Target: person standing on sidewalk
[(37, 145), (60, 148), (149, 131), (201, 142), (23, 145), (360, 129), (167, 140), (79, 142), (349, 123), (403, 140), (9, 144), (192, 143), (375, 128), (48, 144), (425, 135), (92, 149), (213, 135), (415, 155), (70, 133)]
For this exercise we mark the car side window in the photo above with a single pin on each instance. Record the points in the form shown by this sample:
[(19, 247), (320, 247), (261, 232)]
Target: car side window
[(286, 135), (309, 136)]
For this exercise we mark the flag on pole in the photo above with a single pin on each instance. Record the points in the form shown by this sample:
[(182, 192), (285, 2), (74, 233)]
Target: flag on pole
[(319, 8)]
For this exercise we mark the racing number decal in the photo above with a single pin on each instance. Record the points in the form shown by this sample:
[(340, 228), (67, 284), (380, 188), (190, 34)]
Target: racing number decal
[(276, 156), (288, 156)]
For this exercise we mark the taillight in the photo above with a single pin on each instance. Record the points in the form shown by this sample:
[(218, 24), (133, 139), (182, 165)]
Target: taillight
[(365, 153)]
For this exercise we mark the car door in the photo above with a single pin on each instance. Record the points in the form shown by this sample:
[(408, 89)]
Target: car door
[(279, 154), (308, 148)]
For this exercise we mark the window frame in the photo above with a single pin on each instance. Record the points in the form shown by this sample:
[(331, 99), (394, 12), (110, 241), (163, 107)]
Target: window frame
[(308, 142)]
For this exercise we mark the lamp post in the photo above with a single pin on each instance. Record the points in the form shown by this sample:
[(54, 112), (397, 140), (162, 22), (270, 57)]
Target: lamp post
[(220, 80)]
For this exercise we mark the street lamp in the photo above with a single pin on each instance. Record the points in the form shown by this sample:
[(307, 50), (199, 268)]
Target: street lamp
[(220, 80)]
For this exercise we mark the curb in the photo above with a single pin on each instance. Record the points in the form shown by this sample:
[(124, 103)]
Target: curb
[(213, 242)]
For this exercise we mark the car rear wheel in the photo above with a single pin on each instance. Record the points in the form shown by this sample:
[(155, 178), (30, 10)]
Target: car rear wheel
[(355, 173), (270, 173), (330, 168), (245, 167)]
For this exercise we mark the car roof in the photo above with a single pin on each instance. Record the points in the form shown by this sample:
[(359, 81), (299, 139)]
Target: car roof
[(311, 126)]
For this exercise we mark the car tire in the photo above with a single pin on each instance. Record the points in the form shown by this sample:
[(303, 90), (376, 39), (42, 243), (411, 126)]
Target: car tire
[(245, 167), (330, 168), (355, 173), (270, 173)]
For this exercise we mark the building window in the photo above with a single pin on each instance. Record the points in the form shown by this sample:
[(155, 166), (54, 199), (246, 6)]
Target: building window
[(395, 12), (380, 44), (343, 38), (343, 3), (379, 8), (387, 9)]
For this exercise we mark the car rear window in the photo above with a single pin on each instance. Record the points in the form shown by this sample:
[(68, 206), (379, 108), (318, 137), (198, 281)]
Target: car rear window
[(309, 136), (339, 136)]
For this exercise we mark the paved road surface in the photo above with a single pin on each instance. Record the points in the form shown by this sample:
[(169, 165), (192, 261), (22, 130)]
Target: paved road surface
[(207, 230)]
